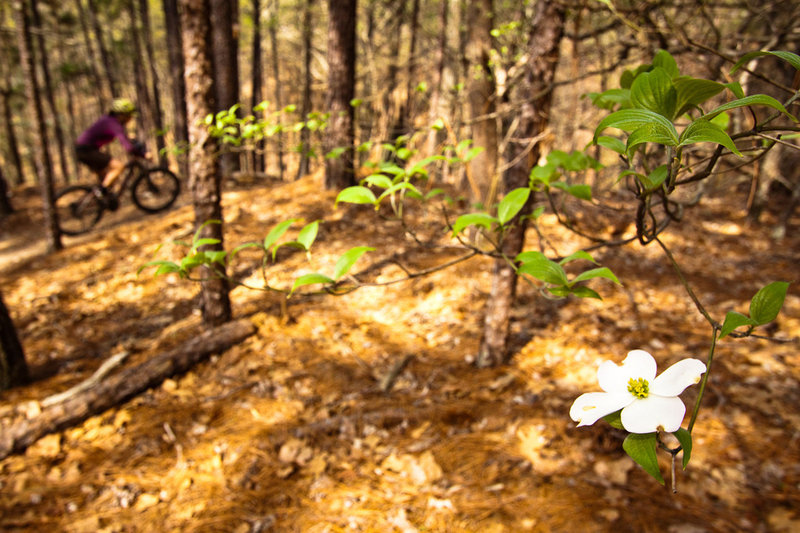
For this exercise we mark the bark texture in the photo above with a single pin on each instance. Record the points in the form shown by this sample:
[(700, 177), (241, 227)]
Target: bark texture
[(224, 52), (41, 155), (482, 106), (204, 174), (180, 131), (339, 171), (535, 92), (13, 368)]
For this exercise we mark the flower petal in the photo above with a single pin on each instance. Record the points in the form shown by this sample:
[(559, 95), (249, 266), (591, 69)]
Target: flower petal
[(653, 413), (590, 407), (676, 378), (614, 378)]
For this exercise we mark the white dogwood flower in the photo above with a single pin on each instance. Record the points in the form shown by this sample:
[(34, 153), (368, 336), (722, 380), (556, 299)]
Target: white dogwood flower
[(648, 403)]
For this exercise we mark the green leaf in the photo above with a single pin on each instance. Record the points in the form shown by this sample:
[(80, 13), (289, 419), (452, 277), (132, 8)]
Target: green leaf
[(402, 186), (310, 279), (734, 320), (472, 153), (433, 193), (611, 98), (632, 119), (615, 419), (602, 272), (336, 153), (612, 143), (685, 438), (582, 192), (277, 232), (530, 255), (654, 180), (723, 120), (767, 303), (789, 57), (348, 259), (652, 133), (215, 256), (308, 234), (245, 245), (642, 448), (654, 91), (701, 130), (164, 267), (473, 219), (207, 241), (512, 203), (378, 180), (665, 60), (544, 270), (756, 99), (544, 173), (580, 254), (692, 92), (356, 195), (580, 291)]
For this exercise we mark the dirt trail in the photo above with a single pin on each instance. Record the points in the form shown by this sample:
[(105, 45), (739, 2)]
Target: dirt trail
[(289, 430)]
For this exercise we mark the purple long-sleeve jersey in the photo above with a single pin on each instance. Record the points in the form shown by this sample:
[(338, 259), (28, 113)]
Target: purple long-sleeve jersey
[(103, 131)]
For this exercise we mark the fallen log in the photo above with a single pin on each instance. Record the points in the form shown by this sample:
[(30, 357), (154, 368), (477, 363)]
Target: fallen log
[(117, 388)]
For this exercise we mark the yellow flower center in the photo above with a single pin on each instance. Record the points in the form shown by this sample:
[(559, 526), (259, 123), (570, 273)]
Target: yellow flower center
[(639, 387)]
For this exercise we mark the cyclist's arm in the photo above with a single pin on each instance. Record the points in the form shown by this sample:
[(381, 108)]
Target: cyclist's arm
[(122, 137)]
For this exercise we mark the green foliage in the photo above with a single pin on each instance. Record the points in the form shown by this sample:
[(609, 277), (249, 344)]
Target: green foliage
[(553, 275), (764, 308), (685, 440), (642, 449)]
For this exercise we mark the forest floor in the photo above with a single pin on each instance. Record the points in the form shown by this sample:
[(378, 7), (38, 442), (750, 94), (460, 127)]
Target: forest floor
[(290, 431)]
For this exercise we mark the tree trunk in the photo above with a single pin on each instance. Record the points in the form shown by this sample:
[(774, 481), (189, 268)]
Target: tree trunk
[(224, 31), (481, 97), (413, 26), (69, 95), (120, 387), (144, 124), (13, 146), (5, 201), (204, 173), (47, 86), (41, 157), (546, 32), (180, 132), (157, 114), (257, 82), (435, 110), (340, 135), (273, 39), (305, 106), (102, 98), (391, 115), (105, 57), (13, 368)]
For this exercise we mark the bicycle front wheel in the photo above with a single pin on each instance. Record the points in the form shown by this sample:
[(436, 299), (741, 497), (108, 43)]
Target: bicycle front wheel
[(78, 209), (155, 190)]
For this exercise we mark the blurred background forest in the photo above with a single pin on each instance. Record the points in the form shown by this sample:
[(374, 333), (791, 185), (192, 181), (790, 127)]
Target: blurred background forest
[(323, 421)]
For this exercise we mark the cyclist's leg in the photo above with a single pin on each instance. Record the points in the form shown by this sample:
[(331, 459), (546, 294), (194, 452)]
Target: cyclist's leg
[(92, 157), (112, 172)]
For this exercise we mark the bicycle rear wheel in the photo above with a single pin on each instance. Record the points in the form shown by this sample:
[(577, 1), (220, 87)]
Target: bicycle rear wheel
[(78, 209), (155, 190)]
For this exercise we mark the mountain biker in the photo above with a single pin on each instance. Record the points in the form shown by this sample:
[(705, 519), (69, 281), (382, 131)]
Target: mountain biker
[(107, 128)]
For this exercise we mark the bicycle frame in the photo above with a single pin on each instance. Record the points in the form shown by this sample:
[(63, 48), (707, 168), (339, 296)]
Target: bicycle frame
[(132, 169)]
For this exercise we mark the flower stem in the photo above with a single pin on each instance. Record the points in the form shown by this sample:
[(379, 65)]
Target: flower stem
[(705, 378)]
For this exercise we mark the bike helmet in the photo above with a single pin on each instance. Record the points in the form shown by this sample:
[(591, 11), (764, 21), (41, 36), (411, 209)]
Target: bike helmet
[(123, 106)]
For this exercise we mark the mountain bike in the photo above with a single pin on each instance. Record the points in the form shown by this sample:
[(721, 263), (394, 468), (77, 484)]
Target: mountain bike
[(80, 207)]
